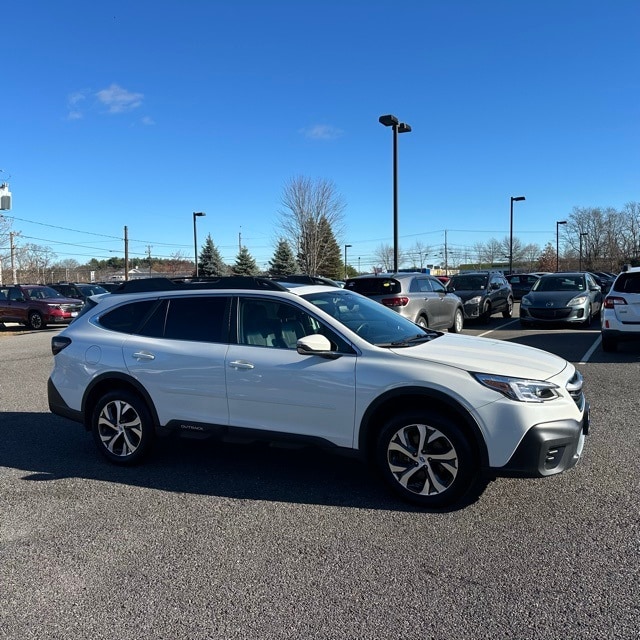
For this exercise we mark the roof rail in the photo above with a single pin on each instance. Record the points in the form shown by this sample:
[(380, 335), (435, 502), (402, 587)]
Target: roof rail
[(181, 284)]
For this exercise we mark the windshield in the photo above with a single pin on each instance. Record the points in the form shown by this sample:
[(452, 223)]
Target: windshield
[(560, 283), (468, 283), (40, 293), (92, 289), (371, 320)]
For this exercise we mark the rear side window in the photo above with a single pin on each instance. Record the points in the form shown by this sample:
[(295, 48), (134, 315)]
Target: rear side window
[(199, 319), (374, 286)]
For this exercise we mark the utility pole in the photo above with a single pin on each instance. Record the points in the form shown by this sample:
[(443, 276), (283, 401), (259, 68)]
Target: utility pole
[(149, 256), (126, 253), (13, 257)]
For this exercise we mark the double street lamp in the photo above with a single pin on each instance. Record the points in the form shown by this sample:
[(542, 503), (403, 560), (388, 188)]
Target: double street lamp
[(558, 223), (513, 199), (346, 246), (196, 214), (398, 127)]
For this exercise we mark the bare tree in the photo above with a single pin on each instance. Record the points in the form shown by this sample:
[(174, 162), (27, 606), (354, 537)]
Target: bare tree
[(418, 254), (307, 207)]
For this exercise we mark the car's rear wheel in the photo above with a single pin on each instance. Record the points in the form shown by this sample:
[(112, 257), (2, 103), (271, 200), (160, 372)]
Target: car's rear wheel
[(508, 312), (458, 322), (36, 321), (122, 427), (426, 459), (422, 322)]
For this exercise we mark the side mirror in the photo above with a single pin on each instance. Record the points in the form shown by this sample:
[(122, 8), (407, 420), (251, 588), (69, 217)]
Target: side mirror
[(316, 345)]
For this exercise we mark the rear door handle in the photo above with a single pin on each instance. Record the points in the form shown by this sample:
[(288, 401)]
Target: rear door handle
[(143, 355)]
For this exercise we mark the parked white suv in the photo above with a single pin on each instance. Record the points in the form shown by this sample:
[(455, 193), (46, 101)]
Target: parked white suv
[(620, 316), (436, 412)]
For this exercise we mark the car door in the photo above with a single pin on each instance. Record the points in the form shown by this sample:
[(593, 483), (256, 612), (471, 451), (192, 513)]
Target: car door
[(178, 355), (425, 302), (271, 387), (447, 304), (15, 306)]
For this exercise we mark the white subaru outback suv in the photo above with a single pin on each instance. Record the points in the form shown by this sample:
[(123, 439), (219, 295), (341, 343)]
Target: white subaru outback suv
[(436, 412), (620, 314)]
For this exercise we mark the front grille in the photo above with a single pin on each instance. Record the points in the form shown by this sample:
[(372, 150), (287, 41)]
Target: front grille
[(574, 387), (550, 314)]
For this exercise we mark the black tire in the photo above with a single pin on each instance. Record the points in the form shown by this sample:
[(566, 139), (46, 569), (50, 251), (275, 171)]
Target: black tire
[(508, 312), (609, 344), (487, 311), (426, 459), (122, 427), (422, 322), (458, 322), (587, 321), (36, 321)]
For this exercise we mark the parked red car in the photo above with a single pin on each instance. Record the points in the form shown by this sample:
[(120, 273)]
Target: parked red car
[(36, 306)]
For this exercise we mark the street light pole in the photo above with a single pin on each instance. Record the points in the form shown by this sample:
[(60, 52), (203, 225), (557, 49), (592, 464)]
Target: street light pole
[(398, 127), (196, 214), (558, 223), (581, 235), (513, 199), (346, 246)]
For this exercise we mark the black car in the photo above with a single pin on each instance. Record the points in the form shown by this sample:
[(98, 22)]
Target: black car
[(78, 290), (483, 293), (521, 283)]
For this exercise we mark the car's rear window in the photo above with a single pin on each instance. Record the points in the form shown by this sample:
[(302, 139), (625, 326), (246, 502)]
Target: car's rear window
[(628, 283), (468, 282), (374, 286)]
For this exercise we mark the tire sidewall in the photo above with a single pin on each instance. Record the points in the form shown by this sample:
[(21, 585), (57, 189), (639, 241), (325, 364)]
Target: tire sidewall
[(147, 428), (468, 467)]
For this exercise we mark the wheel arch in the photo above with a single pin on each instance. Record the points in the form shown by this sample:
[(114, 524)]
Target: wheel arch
[(111, 382), (414, 399)]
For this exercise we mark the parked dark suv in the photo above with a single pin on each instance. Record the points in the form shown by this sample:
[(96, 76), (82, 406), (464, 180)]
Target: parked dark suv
[(419, 297), (36, 306), (483, 294), (79, 290)]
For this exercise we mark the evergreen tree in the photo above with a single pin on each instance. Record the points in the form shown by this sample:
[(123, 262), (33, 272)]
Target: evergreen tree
[(283, 262), (330, 264), (245, 264), (210, 262)]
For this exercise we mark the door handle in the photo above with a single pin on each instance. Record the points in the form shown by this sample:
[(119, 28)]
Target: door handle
[(241, 364), (143, 355)]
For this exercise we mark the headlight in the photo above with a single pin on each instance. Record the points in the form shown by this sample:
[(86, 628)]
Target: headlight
[(519, 389), (525, 302), (577, 301), (474, 300)]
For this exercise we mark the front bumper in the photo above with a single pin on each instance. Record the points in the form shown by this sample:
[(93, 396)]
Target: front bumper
[(549, 448), (553, 314)]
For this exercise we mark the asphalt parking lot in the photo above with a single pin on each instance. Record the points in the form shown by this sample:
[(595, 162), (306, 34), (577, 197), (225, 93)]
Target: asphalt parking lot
[(228, 541)]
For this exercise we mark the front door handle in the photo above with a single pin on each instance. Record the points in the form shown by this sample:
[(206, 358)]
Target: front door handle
[(241, 364)]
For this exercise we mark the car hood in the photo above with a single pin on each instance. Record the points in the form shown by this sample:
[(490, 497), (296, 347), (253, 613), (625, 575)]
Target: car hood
[(61, 301), (485, 355), (467, 294), (553, 298)]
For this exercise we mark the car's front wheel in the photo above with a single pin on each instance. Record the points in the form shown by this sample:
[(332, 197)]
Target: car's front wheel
[(426, 459), (122, 427), (588, 317), (508, 312), (458, 322)]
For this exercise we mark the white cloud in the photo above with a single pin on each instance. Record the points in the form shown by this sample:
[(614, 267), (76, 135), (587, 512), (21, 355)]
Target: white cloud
[(322, 132), (147, 121), (119, 100)]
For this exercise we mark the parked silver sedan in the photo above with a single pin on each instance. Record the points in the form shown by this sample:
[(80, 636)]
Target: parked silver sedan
[(562, 298)]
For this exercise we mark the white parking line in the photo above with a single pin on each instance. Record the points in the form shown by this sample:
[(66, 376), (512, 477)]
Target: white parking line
[(502, 326), (589, 353)]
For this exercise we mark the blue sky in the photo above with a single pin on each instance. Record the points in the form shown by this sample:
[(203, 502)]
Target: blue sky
[(139, 113)]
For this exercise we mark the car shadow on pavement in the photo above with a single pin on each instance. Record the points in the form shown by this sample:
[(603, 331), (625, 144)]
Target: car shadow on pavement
[(49, 448)]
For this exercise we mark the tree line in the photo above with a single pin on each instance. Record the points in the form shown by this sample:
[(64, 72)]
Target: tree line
[(310, 222)]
